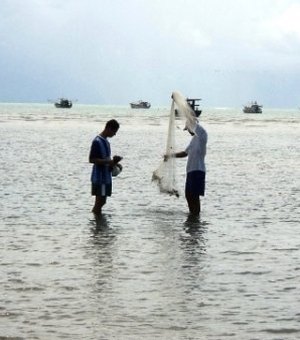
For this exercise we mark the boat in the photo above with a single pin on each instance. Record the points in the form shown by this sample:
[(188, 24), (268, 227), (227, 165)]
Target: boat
[(140, 105), (253, 107), (63, 103), (194, 105)]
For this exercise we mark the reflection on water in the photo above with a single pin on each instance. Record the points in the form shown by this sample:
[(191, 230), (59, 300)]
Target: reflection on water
[(145, 269), (196, 229), (100, 222)]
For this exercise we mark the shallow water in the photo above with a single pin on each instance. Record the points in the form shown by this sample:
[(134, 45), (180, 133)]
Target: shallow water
[(145, 270)]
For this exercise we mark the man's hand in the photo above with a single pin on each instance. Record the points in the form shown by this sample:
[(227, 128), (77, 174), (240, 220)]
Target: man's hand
[(117, 159)]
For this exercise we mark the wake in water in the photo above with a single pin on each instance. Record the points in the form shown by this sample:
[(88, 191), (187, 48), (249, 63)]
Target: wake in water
[(165, 174)]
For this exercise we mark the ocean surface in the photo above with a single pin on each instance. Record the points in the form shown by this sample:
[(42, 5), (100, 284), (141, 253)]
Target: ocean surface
[(146, 270)]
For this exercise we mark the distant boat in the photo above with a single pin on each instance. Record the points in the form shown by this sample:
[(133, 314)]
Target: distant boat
[(63, 103), (140, 105), (253, 107), (193, 104)]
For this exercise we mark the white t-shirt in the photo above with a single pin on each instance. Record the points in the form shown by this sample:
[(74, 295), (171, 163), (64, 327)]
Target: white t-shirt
[(196, 150)]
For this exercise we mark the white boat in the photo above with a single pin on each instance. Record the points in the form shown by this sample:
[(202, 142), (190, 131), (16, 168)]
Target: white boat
[(253, 107), (140, 105)]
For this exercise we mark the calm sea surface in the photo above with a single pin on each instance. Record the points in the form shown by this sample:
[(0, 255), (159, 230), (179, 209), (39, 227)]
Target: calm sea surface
[(146, 271)]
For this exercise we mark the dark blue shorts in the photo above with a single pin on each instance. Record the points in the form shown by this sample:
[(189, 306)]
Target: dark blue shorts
[(102, 190), (195, 183)]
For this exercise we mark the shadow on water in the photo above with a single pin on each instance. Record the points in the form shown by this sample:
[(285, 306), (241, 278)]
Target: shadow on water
[(101, 250), (101, 232), (195, 231), (189, 230), (194, 224), (99, 223)]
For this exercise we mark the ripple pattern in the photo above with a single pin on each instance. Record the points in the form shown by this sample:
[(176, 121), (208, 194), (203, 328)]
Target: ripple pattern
[(146, 270)]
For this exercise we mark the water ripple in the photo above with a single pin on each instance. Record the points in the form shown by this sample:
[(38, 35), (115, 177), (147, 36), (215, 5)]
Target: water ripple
[(146, 270)]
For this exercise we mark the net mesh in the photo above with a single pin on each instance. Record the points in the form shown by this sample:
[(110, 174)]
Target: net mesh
[(165, 174), (184, 111)]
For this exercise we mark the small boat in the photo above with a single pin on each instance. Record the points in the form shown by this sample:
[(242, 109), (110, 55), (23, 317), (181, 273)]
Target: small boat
[(253, 107), (63, 103), (140, 105), (193, 104)]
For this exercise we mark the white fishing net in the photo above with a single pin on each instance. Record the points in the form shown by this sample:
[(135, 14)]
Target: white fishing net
[(184, 111), (165, 174)]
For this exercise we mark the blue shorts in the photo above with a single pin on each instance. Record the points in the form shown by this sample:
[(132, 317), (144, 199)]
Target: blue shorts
[(102, 190), (195, 183)]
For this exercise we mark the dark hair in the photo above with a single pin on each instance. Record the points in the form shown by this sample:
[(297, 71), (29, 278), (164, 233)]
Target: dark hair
[(112, 124)]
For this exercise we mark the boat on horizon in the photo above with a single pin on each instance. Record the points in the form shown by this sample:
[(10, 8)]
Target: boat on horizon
[(253, 107), (140, 105), (63, 103), (194, 105)]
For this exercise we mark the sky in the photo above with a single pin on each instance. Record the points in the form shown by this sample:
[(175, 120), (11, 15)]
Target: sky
[(112, 52)]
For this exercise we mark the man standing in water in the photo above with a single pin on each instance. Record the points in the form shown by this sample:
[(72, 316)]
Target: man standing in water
[(100, 156), (195, 168)]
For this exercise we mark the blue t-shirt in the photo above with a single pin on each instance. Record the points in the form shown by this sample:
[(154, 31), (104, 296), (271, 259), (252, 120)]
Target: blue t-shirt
[(100, 148)]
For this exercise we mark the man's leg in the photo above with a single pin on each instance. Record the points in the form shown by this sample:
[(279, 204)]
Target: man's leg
[(193, 203), (99, 203), (194, 188)]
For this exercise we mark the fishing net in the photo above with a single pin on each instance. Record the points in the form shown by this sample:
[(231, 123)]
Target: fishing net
[(184, 111), (165, 174)]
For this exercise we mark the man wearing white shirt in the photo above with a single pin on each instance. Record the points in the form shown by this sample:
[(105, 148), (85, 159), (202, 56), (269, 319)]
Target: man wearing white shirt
[(195, 168)]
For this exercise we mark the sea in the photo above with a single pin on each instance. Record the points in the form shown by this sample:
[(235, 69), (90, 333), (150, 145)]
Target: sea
[(146, 269)]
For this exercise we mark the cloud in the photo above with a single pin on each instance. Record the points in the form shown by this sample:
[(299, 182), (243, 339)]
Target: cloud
[(277, 38), (288, 22), (283, 28), (124, 49), (193, 35)]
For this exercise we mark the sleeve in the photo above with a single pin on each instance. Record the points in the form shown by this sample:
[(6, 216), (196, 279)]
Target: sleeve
[(95, 151), (201, 133), (187, 149)]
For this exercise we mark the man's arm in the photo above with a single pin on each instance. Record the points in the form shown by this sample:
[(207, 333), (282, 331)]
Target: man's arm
[(101, 161), (107, 161), (180, 154)]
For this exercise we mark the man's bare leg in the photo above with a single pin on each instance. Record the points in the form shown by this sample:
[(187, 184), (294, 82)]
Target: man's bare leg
[(99, 203), (193, 203)]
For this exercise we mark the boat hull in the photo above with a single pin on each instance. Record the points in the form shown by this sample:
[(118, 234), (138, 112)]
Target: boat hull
[(250, 110), (140, 105), (63, 106), (197, 113)]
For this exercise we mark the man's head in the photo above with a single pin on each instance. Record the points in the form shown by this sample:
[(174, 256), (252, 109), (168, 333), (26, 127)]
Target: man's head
[(111, 128)]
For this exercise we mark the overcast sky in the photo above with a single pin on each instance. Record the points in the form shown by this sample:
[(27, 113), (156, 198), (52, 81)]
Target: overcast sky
[(226, 52)]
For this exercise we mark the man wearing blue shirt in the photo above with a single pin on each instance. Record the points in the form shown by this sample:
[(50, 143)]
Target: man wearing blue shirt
[(100, 156)]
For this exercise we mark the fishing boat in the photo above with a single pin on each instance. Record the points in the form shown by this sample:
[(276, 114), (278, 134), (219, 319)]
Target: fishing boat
[(194, 105), (253, 107), (140, 105), (63, 103)]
